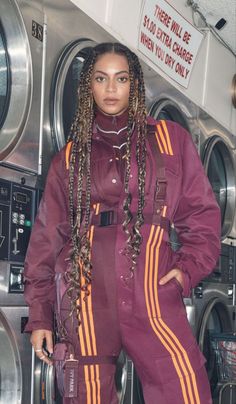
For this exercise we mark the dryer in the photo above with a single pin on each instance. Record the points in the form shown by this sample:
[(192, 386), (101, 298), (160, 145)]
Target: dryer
[(211, 310), (16, 355), (22, 44), (18, 201), (218, 155)]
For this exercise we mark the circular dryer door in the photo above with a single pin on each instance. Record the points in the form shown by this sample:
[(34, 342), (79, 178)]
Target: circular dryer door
[(218, 163), (168, 110), (15, 76), (215, 319), (64, 89), (45, 391), (10, 368), (128, 387), (4, 77)]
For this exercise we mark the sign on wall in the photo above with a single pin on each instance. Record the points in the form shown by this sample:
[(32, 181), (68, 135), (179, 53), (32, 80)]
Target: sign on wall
[(168, 40)]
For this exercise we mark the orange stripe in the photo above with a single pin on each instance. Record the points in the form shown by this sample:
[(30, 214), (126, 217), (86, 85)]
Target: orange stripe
[(151, 266), (172, 335), (89, 329), (159, 143), (94, 344), (93, 337), (162, 137), (92, 370), (87, 382), (98, 384), (81, 339), (167, 137), (163, 325), (151, 245), (68, 148), (157, 323)]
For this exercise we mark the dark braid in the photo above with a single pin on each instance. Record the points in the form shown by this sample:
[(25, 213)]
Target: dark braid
[(137, 114), (80, 170)]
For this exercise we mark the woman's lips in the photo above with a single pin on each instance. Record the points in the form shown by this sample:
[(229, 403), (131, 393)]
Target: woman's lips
[(111, 101)]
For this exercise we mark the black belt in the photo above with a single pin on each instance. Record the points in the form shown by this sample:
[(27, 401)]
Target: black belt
[(111, 217)]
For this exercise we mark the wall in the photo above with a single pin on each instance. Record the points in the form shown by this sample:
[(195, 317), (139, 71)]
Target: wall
[(211, 78)]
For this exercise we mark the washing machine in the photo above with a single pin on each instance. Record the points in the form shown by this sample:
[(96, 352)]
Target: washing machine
[(22, 31), (18, 203), (211, 312), (21, 72), (218, 156), (16, 356)]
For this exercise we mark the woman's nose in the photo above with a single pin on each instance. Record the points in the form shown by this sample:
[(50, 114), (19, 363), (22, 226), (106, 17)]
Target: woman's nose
[(111, 85)]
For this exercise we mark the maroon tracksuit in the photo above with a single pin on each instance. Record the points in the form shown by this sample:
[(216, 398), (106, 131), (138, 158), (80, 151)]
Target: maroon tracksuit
[(147, 320)]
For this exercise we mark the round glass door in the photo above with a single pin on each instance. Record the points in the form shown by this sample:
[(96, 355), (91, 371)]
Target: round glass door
[(215, 320), (218, 164), (4, 78), (15, 76), (10, 369), (64, 89), (168, 110), (45, 391)]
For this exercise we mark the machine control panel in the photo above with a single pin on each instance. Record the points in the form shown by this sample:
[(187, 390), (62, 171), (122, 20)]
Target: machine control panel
[(17, 212)]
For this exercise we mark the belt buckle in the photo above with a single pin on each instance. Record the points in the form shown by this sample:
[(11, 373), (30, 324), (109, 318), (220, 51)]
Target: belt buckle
[(106, 218), (160, 192)]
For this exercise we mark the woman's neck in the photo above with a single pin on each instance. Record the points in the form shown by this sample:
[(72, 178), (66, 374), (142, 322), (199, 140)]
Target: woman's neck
[(111, 122)]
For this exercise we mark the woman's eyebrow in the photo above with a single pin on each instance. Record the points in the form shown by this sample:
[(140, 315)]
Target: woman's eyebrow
[(105, 74)]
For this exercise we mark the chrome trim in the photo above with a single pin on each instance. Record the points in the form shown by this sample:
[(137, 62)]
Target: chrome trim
[(227, 158), (169, 106), (221, 308), (21, 76), (10, 364), (8, 77), (42, 103), (63, 64)]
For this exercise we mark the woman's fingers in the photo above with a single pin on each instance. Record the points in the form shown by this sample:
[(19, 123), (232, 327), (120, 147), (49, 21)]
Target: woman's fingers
[(37, 340), (49, 341), (173, 273)]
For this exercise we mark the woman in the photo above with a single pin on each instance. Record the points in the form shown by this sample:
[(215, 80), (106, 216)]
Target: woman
[(100, 251)]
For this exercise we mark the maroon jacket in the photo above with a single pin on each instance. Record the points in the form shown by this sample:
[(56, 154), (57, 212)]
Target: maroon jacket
[(190, 205)]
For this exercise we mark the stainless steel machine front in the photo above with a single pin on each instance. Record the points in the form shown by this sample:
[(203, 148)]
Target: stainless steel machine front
[(211, 310), (22, 48)]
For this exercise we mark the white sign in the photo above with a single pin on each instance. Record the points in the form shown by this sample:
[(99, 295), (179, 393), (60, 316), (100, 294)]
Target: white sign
[(168, 40)]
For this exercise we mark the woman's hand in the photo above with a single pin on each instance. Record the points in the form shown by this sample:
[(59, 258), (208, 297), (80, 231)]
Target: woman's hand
[(37, 340), (173, 273)]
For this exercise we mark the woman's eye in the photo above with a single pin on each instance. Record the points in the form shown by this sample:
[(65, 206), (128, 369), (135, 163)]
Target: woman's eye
[(123, 79), (100, 79)]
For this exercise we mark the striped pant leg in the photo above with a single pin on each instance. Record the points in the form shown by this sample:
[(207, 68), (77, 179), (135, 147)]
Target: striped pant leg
[(96, 386)]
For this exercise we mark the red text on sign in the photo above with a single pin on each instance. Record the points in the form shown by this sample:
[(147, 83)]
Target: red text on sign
[(162, 16)]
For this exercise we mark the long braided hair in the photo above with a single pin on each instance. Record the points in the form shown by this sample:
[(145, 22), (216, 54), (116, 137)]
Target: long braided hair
[(80, 275)]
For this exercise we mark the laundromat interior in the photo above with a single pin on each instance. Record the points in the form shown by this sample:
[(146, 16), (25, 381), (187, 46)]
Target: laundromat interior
[(42, 48)]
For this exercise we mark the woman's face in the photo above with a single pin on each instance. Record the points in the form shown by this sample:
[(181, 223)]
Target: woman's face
[(111, 83)]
